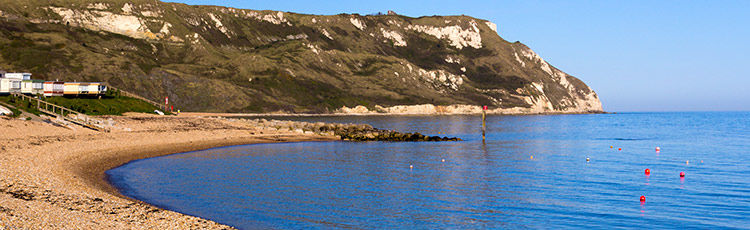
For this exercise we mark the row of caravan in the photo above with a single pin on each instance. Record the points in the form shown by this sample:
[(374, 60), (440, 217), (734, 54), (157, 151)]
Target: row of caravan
[(22, 83)]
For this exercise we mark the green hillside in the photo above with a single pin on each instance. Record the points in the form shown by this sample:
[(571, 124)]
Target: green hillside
[(218, 59)]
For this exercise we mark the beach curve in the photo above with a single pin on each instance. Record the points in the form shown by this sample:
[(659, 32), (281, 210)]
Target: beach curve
[(54, 177)]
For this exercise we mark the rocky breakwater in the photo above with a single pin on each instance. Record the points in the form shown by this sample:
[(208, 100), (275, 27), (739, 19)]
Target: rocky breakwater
[(352, 132), (373, 134)]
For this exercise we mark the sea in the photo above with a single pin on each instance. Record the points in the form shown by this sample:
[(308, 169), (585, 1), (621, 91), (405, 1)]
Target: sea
[(534, 171)]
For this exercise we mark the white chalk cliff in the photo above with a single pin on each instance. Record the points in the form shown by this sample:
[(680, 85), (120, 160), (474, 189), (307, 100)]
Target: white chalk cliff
[(262, 60)]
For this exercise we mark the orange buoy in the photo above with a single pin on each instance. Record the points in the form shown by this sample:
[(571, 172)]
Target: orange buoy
[(682, 174), (643, 198), (587, 159), (648, 172), (531, 157), (411, 166), (611, 146)]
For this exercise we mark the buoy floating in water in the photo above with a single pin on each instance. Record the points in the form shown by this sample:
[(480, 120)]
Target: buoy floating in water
[(658, 149), (411, 166), (648, 172), (643, 198), (531, 157), (687, 162), (619, 149), (611, 146), (682, 174), (443, 160), (587, 159)]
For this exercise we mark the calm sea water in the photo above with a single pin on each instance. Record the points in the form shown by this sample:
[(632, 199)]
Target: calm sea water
[(530, 173)]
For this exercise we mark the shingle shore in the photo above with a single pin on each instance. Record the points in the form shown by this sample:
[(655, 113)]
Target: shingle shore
[(53, 177)]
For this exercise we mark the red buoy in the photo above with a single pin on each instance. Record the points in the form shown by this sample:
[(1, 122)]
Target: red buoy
[(658, 149), (648, 172), (682, 174), (643, 198), (619, 149)]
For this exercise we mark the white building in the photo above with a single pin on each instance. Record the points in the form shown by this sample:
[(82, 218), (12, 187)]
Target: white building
[(11, 82), (19, 76)]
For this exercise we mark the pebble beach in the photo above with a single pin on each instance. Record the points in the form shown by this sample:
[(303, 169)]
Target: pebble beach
[(52, 177)]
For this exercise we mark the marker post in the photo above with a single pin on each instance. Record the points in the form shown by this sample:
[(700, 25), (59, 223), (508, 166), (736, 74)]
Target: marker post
[(484, 120)]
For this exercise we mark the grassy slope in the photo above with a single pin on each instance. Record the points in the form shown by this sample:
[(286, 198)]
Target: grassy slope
[(257, 69), (108, 105), (20, 104)]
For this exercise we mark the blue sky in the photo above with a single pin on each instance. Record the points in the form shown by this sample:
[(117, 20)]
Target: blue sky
[(637, 55)]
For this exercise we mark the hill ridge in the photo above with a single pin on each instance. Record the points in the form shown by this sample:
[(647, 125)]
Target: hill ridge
[(222, 59)]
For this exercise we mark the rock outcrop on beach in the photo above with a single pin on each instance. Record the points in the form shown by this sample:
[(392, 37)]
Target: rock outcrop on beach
[(221, 59), (350, 132)]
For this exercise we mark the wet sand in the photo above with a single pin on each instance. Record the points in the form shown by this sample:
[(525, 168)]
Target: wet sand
[(53, 177)]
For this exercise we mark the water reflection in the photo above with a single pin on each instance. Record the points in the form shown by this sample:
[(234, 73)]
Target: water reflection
[(481, 184)]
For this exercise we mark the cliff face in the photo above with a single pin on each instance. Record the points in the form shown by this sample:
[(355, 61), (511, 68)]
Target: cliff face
[(208, 58)]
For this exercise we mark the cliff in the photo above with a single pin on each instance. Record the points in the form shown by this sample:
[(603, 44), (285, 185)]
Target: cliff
[(220, 59)]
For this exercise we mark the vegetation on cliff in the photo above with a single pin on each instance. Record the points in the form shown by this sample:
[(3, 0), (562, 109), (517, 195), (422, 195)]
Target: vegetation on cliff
[(219, 59)]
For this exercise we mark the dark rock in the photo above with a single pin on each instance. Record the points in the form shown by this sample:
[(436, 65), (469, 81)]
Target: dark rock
[(21, 194), (368, 133)]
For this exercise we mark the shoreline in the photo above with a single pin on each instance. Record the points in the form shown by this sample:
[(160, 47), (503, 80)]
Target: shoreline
[(207, 114), (54, 177), (94, 170)]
